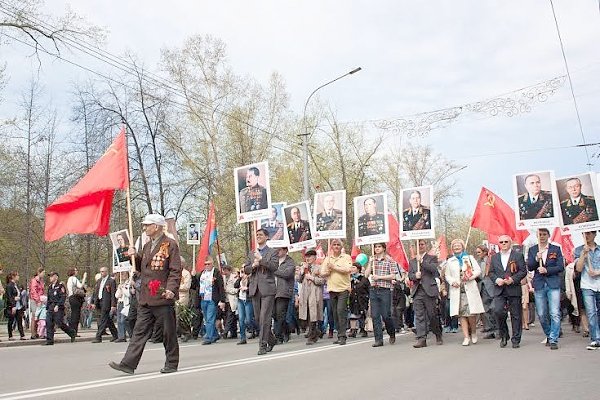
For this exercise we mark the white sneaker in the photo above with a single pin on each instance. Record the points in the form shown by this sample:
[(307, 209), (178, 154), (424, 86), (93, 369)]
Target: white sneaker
[(474, 339), (593, 346), (544, 341), (465, 342)]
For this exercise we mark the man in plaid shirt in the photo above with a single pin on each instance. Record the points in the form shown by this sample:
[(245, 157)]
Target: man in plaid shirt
[(384, 271)]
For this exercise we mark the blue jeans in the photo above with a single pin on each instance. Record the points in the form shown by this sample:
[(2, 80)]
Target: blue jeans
[(381, 303), (591, 300), (209, 310), (547, 305), (327, 316), (246, 317)]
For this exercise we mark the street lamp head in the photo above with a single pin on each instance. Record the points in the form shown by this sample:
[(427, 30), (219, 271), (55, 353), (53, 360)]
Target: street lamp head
[(355, 70)]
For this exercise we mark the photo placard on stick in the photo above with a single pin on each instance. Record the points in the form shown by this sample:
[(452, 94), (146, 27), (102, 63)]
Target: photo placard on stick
[(330, 215), (121, 241), (252, 192), (370, 221), (299, 226), (536, 200), (578, 207), (276, 226), (417, 216), (193, 234)]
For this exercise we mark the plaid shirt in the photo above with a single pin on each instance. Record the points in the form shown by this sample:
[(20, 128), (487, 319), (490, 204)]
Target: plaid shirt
[(384, 266)]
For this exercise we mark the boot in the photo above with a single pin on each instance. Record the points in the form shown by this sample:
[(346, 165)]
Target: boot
[(352, 333), (420, 343), (364, 333)]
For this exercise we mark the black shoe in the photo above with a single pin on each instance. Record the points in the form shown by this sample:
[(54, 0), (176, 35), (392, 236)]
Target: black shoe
[(114, 339), (503, 342), (269, 347), (97, 340), (364, 334), (439, 340), (342, 341), (73, 337), (516, 345), (553, 346), (377, 344), (491, 335), (120, 340), (121, 367), (392, 339), (280, 341), (420, 343), (207, 342), (243, 341), (48, 344), (352, 333), (168, 370), (262, 350)]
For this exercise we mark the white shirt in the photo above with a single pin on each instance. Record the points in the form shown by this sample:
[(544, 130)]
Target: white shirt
[(102, 283), (504, 258), (72, 283), (544, 254), (575, 201)]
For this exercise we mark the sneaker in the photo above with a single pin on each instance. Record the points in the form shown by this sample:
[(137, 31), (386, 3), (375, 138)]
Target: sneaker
[(593, 346), (465, 342), (544, 341)]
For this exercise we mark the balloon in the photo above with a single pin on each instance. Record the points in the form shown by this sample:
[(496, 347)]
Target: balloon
[(362, 259)]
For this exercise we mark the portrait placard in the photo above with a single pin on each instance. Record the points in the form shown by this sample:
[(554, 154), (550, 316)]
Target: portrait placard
[(121, 241), (276, 226), (417, 213), (330, 215), (299, 226), (578, 207), (252, 192), (192, 233), (536, 200), (370, 221)]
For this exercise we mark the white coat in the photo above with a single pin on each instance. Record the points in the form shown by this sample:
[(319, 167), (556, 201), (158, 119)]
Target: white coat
[(453, 270)]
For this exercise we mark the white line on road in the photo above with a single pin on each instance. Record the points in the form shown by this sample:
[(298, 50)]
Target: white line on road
[(163, 348), (51, 390)]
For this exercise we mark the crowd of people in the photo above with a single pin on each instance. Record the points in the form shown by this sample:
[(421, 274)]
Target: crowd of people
[(272, 298)]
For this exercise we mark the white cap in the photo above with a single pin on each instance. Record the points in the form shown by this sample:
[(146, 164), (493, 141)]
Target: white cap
[(154, 219)]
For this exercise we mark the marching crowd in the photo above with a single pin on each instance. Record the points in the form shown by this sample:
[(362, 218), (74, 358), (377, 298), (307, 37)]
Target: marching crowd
[(273, 299)]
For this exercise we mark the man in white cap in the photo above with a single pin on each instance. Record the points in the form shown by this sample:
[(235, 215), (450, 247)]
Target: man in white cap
[(159, 265)]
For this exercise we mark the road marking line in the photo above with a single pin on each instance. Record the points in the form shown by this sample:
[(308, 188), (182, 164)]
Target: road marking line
[(52, 390)]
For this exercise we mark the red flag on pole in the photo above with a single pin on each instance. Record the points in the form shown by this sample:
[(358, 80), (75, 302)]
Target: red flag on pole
[(208, 239), (395, 248), (87, 206), (566, 244), (355, 250), (495, 217)]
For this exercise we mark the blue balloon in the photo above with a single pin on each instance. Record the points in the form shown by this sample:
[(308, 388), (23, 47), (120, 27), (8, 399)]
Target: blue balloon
[(362, 259)]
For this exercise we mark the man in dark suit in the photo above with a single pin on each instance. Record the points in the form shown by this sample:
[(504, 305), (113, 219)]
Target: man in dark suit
[(298, 229), (547, 261), (417, 216), (104, 300), (536, 203), (507, 269), (425, 293), (285, 291), (261, 266), (159, 265), (578, 208)]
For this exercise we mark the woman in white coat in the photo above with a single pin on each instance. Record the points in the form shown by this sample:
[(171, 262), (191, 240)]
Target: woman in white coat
[(461, 271)]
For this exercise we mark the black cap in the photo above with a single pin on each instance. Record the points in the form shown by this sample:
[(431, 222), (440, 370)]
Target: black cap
[(310, 253)]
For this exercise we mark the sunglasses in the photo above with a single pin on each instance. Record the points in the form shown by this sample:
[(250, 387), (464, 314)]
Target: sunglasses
[(503, 241)]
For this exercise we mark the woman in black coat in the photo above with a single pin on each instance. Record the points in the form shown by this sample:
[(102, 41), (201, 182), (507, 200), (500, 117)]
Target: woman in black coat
[(359, 300), (14, 308)]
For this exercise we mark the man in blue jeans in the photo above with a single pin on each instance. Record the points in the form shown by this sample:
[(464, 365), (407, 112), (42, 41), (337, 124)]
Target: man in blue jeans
[(587, 262), (547, 261)]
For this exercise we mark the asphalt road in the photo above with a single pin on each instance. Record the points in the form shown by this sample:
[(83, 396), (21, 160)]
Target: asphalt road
[(324, 371)]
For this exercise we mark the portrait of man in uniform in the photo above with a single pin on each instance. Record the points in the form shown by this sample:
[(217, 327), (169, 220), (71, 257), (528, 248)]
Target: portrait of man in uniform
[(417, 216), (330, 217), (192, 232), (120, 241), (577, 207), (535, 203), (298, 228), (372, 222), (252, 195), (275, 224)]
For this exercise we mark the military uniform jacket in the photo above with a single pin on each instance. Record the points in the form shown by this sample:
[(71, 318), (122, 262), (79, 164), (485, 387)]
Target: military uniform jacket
[(295, 234), (371, 224), (584, 211), (57, 294), (162, 264), (333, 221), (542, 208), (252, 199), (409, 220), (262, 279)]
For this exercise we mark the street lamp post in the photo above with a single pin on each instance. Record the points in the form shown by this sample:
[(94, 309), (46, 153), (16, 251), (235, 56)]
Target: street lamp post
[(304, 135)]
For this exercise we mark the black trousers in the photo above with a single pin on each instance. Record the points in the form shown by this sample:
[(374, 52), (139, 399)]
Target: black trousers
[(426, 314), (281, 308), (18, 317), (502, 305), (57, 318), (106, 322), (146, 319), (339, 301), (263, 313), (75, 302), (489, 318), (230, 322)]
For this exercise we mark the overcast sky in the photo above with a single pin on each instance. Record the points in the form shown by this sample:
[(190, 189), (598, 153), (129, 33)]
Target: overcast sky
[(417, 56)]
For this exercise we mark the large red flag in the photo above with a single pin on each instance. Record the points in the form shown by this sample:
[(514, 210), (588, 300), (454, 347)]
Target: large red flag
[(495, 217), (394, 247), (86, 207), (208, 239), (566, 244)]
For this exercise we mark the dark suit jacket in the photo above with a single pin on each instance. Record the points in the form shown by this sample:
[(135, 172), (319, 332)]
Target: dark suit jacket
[(262, 279), (497, 271), (108, 294), (555, 264), (429, 271), (285, 278), (162, 264)]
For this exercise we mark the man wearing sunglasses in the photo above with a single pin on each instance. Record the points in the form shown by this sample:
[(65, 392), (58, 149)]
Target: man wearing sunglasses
[(507, 269)]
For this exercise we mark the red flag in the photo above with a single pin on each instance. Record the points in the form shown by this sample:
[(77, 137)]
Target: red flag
[(395, 248), (355, 250), (495, 217), (320, 254), (87, 206), (443, 247), (208, 239), (566, 244)]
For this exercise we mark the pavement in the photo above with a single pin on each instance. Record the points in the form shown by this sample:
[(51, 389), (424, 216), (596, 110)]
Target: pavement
[(324, 370), (84, 335)]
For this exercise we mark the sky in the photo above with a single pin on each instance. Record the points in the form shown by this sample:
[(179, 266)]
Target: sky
[(415, 57)]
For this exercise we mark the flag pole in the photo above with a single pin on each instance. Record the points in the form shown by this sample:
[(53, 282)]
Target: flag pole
[(418, 256), (539, 249), (128, 197), (194, 255), (468, 236)]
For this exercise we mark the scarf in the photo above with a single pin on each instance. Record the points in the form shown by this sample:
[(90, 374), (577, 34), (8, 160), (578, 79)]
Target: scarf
[(459, 257)]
